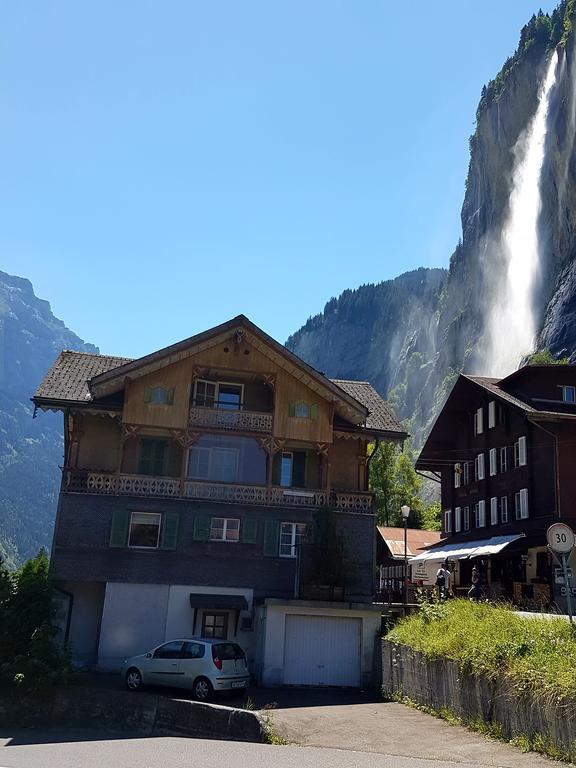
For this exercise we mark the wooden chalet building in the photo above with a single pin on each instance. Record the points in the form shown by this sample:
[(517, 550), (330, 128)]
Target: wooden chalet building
[(190, 478), (505, 451)]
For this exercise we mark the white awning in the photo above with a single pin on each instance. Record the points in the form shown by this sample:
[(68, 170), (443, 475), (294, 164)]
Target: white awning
[(468, 549)]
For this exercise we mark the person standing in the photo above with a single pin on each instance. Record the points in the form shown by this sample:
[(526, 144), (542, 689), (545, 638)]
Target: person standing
[(443, 577)]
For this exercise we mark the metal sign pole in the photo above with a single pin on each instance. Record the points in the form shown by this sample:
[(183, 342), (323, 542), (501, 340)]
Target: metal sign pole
[(568, 584)]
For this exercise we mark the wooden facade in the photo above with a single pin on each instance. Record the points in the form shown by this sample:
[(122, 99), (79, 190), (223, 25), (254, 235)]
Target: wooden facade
[(504, 451), (226, 414)]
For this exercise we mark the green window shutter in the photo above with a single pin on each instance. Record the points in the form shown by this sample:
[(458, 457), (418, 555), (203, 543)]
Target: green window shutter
[(271, 537), (119, 530), (147, 394), (299, 470), (249, 530), (314, 411), (169, 530), (170, 396), (201, 528), (291, 409)]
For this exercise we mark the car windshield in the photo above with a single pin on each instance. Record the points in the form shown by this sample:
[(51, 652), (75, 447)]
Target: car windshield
[(227, 651)]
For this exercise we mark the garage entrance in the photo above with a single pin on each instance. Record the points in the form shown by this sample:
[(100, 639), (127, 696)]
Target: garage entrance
[(322, 650)]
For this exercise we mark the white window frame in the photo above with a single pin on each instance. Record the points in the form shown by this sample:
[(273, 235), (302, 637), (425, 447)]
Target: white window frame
[(480, 514), (457, 475), (466, 518), (503, 459), (503, 509), (479, 421), (522, 452), (217, 385), (521, 504), (493, 461), (448, 521), (297, 530), (156, 515), (479, 469), (494, 510), (457, 519), (491, 414), (226, 528)]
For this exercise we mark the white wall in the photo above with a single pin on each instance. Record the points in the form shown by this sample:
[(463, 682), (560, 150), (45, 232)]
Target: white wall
[(273, 625), (133, 621), (86, 612), (137, 617)]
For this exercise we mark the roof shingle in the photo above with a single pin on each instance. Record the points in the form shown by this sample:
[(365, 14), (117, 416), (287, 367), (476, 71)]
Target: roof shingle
[(380, 413), (68, 377)]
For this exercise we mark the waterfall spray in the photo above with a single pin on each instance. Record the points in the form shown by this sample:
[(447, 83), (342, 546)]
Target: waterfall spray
[(512, 323)]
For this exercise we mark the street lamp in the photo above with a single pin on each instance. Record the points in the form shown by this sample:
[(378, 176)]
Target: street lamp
[(405, 509)]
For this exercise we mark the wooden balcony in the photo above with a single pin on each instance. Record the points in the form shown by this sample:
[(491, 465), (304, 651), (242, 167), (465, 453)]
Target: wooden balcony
[(238, 421), (111, 484)]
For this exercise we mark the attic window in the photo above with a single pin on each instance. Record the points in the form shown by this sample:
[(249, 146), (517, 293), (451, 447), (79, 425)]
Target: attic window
[(159, 396), (302, 410)]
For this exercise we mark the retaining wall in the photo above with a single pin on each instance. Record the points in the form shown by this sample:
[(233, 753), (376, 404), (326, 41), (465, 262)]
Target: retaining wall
[(439, 684), (144, 714)]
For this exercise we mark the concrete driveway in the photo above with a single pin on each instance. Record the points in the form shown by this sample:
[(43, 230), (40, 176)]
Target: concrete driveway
[(362, 723)]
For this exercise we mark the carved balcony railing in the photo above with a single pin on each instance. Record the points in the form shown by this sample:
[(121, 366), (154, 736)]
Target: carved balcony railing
[(240, 494), (109, 483), (240, 421)]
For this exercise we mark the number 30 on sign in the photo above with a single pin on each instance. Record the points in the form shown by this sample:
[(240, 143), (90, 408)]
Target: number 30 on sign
[(560, 538)]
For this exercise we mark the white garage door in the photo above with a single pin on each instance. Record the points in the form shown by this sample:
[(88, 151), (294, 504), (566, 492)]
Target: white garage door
[(322, 650)]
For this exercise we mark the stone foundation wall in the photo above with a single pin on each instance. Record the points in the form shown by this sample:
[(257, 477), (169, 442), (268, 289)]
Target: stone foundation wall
[(145, 714), (439, 684)]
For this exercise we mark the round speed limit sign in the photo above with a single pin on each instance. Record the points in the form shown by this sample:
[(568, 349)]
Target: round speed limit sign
[(560, 538)]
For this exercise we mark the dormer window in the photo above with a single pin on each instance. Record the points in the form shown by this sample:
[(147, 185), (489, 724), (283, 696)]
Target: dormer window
[(568, 394), (159, 395)]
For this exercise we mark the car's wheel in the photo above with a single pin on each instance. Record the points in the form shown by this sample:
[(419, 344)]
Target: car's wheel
[(133, 679), (202, 689)]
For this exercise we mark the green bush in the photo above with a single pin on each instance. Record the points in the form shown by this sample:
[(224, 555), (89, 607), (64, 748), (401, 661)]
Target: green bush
[(29, 657), (536, 655)]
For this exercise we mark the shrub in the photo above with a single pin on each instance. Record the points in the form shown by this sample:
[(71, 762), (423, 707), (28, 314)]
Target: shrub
[(538, 655), (29, 657)]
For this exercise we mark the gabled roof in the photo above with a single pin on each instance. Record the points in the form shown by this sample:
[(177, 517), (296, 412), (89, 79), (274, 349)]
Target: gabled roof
[(113, 380), (493, 386), (68, 378), (380, 413), (75, 378)]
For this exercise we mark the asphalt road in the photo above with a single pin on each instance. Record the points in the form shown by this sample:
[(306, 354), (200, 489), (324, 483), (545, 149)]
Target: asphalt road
[(172, 752)]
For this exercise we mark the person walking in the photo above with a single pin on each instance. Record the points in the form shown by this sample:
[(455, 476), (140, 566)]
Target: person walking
[(443, 577), (475, 591)]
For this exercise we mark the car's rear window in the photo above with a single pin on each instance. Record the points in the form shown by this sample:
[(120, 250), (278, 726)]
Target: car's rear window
[(227, 651)]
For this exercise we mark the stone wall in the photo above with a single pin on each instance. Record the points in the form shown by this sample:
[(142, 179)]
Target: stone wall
[(440, 684), (142, 714)]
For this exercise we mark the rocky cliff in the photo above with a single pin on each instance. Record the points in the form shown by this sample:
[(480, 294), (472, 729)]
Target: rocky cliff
[(30, 449), (416, 363)]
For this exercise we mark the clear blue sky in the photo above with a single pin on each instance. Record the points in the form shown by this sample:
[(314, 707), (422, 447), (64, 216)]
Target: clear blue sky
[(166, 165)]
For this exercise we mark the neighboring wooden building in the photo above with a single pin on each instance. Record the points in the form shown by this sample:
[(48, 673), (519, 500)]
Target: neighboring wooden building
[(505, 451), (390, 560), (190, 477)]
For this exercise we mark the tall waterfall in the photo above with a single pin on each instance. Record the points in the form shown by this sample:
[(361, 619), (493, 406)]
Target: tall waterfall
[(512, 323)]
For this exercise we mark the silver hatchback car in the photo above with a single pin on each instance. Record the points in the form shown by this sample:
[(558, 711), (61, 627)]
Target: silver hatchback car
[(202, 665)]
